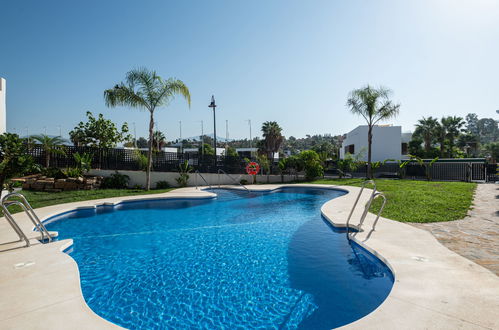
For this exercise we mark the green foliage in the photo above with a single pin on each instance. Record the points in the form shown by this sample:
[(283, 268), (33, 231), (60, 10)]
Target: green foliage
[(141, 159), (99, 132), (145, 90), (272, 138), (347, 164), (320, 143), (158, 140), (53, 172), (162, 184), (14, 158), (231, 152), (50, 145), (115, 181), (492, 150), (243, 182), (208, 150), (73, 172), (184, 170), (312, 164), (427, 165), (374, 105), (83, 161)]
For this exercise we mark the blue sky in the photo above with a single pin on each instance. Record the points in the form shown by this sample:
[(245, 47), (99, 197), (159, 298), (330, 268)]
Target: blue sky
[(289, 61)]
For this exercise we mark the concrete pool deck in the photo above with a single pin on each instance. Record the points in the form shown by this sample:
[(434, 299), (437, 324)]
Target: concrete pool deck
[(434, 287)]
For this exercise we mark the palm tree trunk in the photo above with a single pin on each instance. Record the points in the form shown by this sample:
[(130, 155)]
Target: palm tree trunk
[(47, 158), (369, 145), (149, 152)]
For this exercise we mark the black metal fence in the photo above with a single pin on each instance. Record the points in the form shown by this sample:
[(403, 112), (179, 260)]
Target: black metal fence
[(128, 159)]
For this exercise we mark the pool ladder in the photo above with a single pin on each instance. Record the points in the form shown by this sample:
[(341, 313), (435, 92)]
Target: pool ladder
[(197, 173), (375, 194), (220, 171), (22, 202)]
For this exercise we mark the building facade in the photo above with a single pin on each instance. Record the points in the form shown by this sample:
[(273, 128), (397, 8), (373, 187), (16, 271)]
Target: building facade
[(388, 143)]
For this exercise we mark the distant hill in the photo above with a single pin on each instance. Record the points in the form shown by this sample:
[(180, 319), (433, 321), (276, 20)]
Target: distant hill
[(219, 138)]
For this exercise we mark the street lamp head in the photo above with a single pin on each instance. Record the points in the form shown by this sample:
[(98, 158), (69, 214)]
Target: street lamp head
[(212, 104)]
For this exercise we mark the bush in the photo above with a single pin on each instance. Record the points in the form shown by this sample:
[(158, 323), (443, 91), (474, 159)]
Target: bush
[(184, 170), (115, 181), (73, 172), (311, 164), (162, 185), (243, 182), (54, 172)]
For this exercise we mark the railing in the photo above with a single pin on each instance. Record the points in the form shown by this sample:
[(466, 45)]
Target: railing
[(24, 204), (202, 177), (375, 194), (239, 183)]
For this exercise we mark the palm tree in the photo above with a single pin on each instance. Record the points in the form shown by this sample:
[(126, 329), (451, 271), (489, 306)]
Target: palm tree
[(453, 127), (272, 138), (427, 129), (374, 105), (144, 89), (158, 140), (50, 145)]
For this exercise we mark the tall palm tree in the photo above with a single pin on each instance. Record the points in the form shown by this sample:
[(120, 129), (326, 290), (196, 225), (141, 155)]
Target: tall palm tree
[(453, 127), (374, 105), (427, 129), (272, 138), (50, 145), (144, 89)]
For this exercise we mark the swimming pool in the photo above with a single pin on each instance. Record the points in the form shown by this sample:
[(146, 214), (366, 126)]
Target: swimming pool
[(242, 260)]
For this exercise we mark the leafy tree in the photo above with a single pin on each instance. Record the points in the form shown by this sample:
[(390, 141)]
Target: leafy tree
[(492, 150), (50, 145), (144, 89), (488, 130), (472, 124), (231, 152), (374, 105), (98, 132), (469, 143), (142, 142), (272, 138), (415, 146), (311, 164), (14, 159), (208, 150)]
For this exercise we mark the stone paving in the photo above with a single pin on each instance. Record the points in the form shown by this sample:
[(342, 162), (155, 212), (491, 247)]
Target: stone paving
[(475, 237)]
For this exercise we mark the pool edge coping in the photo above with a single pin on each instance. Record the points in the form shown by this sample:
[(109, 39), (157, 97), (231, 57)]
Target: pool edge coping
[(334, 211)]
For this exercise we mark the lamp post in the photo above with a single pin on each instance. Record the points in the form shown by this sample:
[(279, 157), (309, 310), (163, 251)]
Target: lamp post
[(213, 106), (250, 139)]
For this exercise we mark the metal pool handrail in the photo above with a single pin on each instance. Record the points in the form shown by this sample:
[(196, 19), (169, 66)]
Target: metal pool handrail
[(25, 205), (202, 177), (357, 200), (239, 183)]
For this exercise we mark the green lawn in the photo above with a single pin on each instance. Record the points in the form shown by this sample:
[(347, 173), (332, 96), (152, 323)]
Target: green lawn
[(41, 199), (419, 201)]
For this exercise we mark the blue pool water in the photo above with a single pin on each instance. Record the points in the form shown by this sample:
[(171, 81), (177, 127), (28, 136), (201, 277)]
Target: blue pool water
[(259, 260)]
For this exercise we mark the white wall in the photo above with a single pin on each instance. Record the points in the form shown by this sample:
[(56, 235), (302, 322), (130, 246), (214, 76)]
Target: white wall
[(139, 178), (386, 144), (3, 105)]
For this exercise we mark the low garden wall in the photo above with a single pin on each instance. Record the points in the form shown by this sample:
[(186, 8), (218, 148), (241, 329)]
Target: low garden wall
[(43, 183), (138, 178)]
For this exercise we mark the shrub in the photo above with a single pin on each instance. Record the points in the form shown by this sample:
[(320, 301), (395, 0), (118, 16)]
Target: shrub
[(83, 161), (115, 181), (243, 181), (54, 172), (184, 170), (162, 185), (13, 156), (73, 172), (311, 164)]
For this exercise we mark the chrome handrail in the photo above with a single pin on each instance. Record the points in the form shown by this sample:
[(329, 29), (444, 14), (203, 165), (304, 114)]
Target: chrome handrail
[(366, 208), (26, 206), (15, 226), (239, 183), (202, 177)]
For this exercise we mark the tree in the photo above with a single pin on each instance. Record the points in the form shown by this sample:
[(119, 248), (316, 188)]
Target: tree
[(374, 105), (472, 124), (144, 89), (50, 145), (272, 138), (14, 159), (312, 164), (98, 132), (453, 127), (158, 140), (426, 128)]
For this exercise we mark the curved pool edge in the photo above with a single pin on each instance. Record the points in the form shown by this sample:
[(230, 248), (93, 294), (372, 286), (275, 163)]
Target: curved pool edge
[(421, 297)]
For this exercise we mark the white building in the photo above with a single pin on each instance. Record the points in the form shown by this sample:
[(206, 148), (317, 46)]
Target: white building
[(387, 143), (3, 105)]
